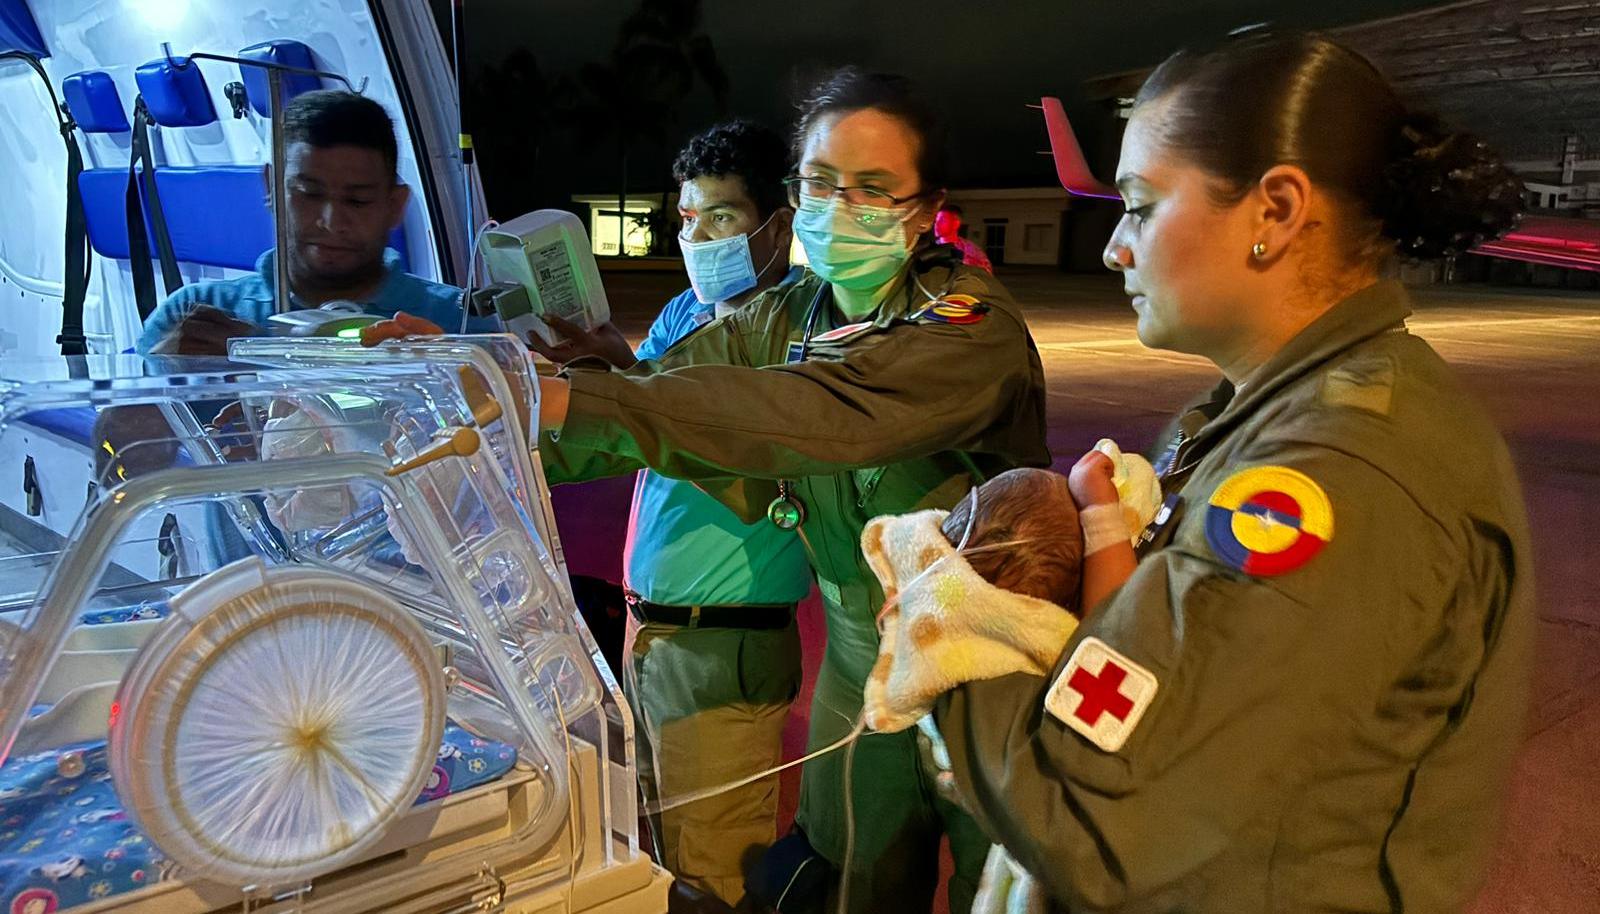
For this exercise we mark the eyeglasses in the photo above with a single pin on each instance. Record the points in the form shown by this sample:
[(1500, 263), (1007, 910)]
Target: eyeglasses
[(802, 187)]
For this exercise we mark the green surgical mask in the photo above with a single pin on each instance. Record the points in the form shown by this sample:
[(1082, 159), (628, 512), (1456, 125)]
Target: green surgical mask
[(850, 245)]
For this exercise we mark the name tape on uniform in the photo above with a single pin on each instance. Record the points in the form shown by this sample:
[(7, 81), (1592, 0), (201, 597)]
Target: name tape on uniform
[(1101, 694), (1268, 520), (953, 309), (797, 349), (839, 334)]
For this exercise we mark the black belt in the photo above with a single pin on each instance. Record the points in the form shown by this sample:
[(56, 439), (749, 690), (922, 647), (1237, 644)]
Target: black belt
[(766, 616)]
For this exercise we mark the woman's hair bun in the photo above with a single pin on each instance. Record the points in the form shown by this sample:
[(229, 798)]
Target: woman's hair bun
[(1445, 191)]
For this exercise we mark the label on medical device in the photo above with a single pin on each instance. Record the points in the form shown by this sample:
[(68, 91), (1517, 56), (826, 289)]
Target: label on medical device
[(558, 287)]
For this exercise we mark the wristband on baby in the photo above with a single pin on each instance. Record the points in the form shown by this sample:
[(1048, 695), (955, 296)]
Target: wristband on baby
[(1103, 526)]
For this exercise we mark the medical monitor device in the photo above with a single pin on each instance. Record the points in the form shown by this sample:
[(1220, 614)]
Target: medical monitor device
[(541, 263)]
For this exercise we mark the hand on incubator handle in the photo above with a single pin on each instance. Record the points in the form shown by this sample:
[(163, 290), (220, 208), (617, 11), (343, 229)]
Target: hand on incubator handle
[(399, 327), (605, 341)]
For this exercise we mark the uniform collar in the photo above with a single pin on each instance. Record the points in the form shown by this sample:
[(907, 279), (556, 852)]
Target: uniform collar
[(1377, 309), (916, 291), (905, 301), (266, 268)]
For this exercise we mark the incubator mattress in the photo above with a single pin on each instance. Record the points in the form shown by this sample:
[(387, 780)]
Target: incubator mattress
[(66, 840)]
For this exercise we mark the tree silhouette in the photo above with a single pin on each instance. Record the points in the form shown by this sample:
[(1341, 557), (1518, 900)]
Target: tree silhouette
[(510, 116), (633, 95)]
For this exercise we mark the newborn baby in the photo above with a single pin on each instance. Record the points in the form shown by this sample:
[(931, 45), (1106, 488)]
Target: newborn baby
[(1008, 600), (1024, 535)]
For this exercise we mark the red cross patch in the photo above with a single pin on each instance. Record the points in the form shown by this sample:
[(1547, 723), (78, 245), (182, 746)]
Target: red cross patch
[(1101, 694)]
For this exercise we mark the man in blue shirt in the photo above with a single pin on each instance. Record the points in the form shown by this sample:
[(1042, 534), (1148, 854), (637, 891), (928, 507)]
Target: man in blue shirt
[(344, 198), (714, 657)]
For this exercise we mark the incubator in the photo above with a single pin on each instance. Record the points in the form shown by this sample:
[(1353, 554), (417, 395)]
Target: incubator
[(290, 632)]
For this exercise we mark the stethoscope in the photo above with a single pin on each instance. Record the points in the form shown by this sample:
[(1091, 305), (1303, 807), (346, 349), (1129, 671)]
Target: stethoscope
[(787, 511)]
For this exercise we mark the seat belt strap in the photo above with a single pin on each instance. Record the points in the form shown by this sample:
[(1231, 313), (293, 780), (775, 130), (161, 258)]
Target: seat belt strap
[(79, 262), (142, 174)]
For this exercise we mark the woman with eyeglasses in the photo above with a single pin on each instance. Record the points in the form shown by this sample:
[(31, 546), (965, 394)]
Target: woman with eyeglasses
[(889, 379), (1308, 694)]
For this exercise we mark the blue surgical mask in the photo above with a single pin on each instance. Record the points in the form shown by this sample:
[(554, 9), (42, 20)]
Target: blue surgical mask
[(722, 269), (850, 245)]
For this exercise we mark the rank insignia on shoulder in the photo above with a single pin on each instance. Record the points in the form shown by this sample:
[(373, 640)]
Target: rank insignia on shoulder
[(1268, 520), (1101, 694), (953, 309)]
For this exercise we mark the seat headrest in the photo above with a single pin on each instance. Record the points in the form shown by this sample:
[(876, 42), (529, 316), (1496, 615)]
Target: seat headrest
[(92, 98), (176, 93), (278, 51)]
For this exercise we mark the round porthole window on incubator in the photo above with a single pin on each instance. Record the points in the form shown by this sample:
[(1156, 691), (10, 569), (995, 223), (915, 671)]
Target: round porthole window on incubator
[(278, 725)]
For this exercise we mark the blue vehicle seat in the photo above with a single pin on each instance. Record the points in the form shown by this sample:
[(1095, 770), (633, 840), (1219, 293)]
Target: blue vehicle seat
[(175, 92), (286, 53), (217, 215), (92, 99)]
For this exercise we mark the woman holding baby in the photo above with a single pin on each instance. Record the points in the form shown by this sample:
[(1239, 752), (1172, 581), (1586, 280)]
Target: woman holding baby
[(889, 378), (1306, 695)]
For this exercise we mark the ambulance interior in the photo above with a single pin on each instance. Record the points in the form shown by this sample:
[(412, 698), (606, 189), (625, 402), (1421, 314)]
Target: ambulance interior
[(290, 630)]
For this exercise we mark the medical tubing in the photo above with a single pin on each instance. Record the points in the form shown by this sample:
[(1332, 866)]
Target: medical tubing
[(858, 729), (849, 740), (203, 449), (74, 575), (472, 268), (849, 814), (709, 792)]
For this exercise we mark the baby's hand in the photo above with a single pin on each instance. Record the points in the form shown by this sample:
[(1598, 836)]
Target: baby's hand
[(398, 327), (1090, 481)]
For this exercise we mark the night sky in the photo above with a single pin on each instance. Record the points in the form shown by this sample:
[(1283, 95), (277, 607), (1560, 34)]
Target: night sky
[(984, 60)]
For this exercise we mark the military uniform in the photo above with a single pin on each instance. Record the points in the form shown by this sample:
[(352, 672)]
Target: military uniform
[(1309, 694), (904, 411)]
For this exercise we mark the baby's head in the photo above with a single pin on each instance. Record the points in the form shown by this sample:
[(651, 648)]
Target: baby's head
[(1034, 509)]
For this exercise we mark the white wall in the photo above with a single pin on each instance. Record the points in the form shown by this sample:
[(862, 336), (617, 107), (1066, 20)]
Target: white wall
[(1018, 214)]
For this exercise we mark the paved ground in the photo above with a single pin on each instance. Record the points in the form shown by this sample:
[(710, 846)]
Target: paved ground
[(1534, 358)]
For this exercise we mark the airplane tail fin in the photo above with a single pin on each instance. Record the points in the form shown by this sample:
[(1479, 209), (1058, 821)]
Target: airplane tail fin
[(1072, 169)]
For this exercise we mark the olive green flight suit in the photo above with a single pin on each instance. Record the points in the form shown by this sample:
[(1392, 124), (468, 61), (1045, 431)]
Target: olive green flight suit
[(1335, 737), (895, 415)]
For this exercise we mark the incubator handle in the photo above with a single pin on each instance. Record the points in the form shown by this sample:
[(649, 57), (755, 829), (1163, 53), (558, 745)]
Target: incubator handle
[(485, 408), (459, 442)]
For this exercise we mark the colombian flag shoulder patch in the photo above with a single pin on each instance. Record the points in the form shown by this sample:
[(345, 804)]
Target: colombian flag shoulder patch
[(953, 309), (1268, 520)]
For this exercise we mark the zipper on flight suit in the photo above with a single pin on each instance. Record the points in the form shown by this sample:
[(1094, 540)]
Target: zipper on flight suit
[(871, 485)]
